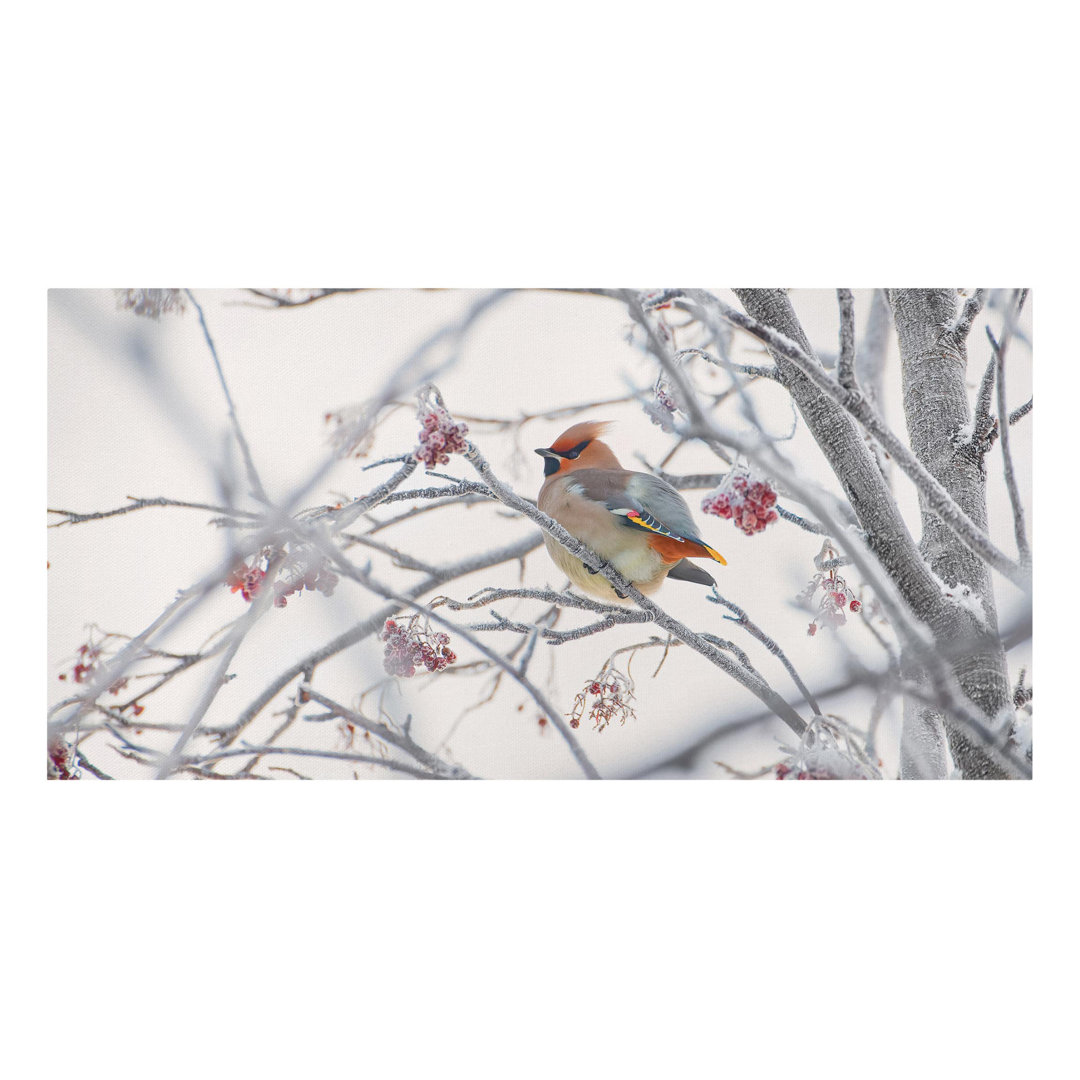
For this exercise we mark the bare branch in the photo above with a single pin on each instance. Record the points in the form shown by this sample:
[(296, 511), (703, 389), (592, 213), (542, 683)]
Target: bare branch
[(330, 755), (73, 518), (369, 625), (401, 740), (281, 301), (1021, 412), (83, 762), (754, 630), (845, 369), (936, 496), (982, 422), (1003, 427), (249, 462), (972, 306), (549, 710)]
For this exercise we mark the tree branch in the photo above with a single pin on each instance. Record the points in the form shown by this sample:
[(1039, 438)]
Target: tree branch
[(938, 499)]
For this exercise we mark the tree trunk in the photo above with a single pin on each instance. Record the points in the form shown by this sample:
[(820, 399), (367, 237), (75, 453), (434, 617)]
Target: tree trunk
[(933, 368), (936, 397)]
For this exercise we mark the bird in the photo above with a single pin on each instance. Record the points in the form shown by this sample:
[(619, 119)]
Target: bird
[(637, 523)]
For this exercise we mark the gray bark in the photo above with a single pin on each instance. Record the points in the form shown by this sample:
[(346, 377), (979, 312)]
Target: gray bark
[(933, 360), (841, 441), (934, 377)]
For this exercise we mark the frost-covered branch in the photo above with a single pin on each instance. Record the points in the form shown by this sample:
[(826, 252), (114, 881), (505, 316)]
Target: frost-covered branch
[(71, 517), (845, 367), (402, 740), (257, 488), (912, 631), (1021, 412), (370, 624), (857, 406), (739, 616), (1006, 453), (283, 300), (548, 710), (968, 313)]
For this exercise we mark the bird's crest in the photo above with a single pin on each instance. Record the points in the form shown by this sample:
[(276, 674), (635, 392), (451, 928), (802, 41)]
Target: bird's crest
[(579, 433)]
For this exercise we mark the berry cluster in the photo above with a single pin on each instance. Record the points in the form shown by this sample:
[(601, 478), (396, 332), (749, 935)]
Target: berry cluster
[(91, 654), (311, 573), (665, 400), (748, 503), (784, 772), (611, 693), (299, 572), (411, 646), (661, 410), (59, 767), (440, 437), (247, 580), (835, 601)]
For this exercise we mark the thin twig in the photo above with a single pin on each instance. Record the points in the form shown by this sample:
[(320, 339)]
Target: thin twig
[(73, 518), (249, 462), (1003, 426), (400, 740), (754, 630)]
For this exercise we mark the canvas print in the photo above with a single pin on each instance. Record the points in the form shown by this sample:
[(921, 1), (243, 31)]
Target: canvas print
[(600, 533)]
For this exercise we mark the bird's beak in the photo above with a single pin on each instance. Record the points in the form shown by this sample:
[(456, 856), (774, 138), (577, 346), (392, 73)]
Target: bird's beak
[(545, 451)]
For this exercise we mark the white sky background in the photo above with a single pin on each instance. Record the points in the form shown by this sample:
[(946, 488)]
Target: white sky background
[(114, 434)]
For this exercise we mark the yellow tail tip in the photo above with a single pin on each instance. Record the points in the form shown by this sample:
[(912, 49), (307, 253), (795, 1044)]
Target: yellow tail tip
[(715, 554)]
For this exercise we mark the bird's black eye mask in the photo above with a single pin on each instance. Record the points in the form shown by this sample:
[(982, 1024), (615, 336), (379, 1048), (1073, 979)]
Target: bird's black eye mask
[(551, 457), (571, 454)]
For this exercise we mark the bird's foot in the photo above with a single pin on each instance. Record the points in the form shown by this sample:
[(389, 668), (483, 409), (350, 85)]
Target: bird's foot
[(607, 566)]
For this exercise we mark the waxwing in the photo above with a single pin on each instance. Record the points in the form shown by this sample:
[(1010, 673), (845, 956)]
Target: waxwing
[(637, 523)]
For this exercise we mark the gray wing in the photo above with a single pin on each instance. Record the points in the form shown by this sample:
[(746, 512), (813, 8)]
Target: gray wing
[(661, 508), (663, 504)]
